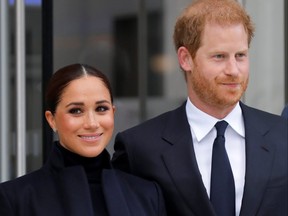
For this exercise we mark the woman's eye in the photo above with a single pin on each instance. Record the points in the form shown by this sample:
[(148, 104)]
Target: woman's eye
[(75, 111), (101, 109)]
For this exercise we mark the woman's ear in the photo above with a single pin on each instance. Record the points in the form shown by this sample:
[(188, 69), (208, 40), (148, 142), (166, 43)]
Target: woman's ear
[(185, 59), (114, 109), (50, 119)]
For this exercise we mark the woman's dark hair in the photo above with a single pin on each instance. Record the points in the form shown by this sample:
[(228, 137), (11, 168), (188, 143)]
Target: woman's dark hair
[(62, 78)]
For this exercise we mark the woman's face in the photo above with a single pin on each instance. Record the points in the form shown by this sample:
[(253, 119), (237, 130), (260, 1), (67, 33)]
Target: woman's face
[(84, 117)]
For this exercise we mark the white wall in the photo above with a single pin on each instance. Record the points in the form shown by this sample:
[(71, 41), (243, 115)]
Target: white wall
[(266, 88)]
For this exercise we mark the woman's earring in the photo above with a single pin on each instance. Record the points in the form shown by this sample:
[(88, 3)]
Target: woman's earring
[(55, 130)]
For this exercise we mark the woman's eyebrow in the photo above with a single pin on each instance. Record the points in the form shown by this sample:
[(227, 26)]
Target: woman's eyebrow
[(75, 104), (103, 101), (82, 104)]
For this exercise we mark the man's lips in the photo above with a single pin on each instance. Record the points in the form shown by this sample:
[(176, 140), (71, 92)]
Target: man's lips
[(231, 84)]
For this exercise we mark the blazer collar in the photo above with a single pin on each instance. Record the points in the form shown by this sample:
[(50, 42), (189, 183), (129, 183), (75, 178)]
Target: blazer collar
[(115, 199), (74, 185), (117, 192), (258, 154), (181, 163), (72, 182)]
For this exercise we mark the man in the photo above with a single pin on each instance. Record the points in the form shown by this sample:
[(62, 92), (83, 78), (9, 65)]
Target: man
[(212, 39)]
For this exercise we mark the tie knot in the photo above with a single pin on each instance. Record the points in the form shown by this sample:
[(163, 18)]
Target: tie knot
[(221, 127)]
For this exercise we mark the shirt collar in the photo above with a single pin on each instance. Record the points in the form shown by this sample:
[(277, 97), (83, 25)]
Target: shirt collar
[(201, 123)]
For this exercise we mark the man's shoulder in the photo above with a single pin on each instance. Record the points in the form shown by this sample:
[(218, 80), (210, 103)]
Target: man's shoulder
[(158, 121), (265, 120), (249, 111), (132, 181), (285, 112), (128, 177)]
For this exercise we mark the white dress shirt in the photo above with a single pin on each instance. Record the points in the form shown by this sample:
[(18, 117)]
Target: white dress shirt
[(203, 135)]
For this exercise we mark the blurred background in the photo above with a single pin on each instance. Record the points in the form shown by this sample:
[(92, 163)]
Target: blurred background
[(130, 41)]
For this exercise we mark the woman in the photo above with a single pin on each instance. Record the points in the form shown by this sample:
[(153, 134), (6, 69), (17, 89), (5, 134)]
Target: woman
[(77, 179)]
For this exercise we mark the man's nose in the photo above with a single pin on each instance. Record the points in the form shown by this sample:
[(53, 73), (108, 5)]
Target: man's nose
[(232, 67)]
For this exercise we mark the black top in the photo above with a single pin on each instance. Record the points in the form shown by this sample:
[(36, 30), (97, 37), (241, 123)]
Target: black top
[(93, 168)]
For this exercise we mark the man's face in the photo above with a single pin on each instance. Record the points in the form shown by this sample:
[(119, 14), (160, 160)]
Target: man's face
[(219, 73)]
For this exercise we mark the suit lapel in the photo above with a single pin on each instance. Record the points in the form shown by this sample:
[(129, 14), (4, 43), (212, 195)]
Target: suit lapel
[(259, 158), (181, 164)]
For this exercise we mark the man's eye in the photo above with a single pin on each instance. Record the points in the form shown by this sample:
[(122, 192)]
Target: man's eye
[(219, 56), (240, 55), (75, 111)]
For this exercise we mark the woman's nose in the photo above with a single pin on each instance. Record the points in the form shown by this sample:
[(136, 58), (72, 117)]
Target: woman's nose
[(91, 120)]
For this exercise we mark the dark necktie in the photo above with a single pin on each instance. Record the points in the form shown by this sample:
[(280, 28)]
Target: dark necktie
[(222, 189)]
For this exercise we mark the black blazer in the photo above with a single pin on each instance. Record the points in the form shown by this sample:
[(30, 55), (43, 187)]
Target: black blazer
[(161, 149), (55, 190)]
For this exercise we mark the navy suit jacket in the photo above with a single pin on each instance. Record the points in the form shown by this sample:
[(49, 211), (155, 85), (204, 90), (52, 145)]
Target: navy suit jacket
[(161, 149), (285, 112), (55, 190)]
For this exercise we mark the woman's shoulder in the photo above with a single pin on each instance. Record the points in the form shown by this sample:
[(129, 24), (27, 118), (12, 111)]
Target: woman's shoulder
[(129, 177), (132, 182), (23, 182), (137, 191)]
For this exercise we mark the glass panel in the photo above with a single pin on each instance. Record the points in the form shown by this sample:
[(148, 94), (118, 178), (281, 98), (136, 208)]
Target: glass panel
[(163, 63), (33, 86)]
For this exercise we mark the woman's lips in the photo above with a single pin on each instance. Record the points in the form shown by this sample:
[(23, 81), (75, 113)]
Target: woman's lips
[(91, 137)]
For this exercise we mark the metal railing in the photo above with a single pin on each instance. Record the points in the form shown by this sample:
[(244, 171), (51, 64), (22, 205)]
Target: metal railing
[(20, 88), (4, 93)]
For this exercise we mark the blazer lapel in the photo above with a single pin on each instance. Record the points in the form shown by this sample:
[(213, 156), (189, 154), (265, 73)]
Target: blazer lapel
[(73, 183), (181, 164), (259, 158), (114, 197)]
